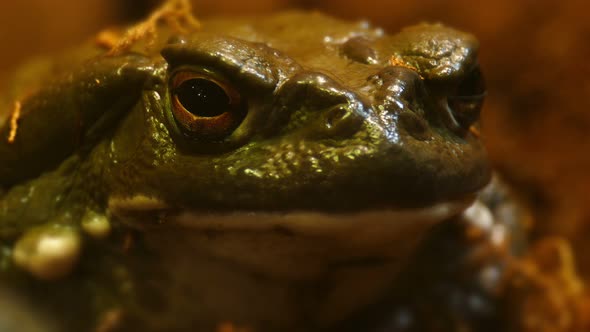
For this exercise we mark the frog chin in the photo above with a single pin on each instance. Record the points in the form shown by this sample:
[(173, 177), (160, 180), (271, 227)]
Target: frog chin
[(256, 238), (273, 262)]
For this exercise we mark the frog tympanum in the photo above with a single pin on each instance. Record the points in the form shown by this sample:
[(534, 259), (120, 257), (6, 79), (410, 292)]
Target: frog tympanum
[(278, 173)]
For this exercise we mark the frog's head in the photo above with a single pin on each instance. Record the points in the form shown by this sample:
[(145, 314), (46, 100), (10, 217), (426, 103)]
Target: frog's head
[(300, 153), (335, 120)]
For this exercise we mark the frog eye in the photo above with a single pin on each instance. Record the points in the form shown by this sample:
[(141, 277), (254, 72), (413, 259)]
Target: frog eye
[(466, 101), (205, 107)]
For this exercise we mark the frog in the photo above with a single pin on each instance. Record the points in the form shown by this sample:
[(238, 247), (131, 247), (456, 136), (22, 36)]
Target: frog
[(268, 173)]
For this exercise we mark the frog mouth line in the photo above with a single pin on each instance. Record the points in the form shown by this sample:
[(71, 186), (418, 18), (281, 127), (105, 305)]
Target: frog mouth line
[(287, 246), (146, 213)]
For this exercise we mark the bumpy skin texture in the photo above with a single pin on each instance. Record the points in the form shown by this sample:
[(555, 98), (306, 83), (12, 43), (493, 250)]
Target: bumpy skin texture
[(340, 118), (393, 129)]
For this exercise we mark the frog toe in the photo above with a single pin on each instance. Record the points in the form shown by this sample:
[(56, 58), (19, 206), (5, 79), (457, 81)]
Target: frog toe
[(49, 251), (96, 225)]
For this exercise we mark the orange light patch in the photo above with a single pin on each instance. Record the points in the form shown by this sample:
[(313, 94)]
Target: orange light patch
[(14, 117), (229, 327), (395, 61), (107, 39), (177, 14)]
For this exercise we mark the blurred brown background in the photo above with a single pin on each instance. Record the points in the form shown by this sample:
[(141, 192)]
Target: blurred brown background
[(535, 55)]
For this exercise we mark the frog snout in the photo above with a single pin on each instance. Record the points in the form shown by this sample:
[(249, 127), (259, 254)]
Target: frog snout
[(324, 108), (400, 101), (342, 120), (339, 121)]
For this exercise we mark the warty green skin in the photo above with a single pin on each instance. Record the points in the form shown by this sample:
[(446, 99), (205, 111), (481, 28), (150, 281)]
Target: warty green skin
[(332, 127)]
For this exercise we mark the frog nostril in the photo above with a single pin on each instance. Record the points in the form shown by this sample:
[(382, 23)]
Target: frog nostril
[(341, 121), (334, 115)]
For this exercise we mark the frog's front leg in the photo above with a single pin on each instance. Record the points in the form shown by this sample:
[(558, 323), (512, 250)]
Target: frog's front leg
[(42, 221), (46, 199), (459, 273), (49, 251)]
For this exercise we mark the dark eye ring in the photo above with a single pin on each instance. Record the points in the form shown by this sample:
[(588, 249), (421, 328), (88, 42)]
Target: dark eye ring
[(467, 99), (205, 107)]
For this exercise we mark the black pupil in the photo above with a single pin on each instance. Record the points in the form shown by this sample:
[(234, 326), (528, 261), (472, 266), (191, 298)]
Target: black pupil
[(472, 85), (202, 97)]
